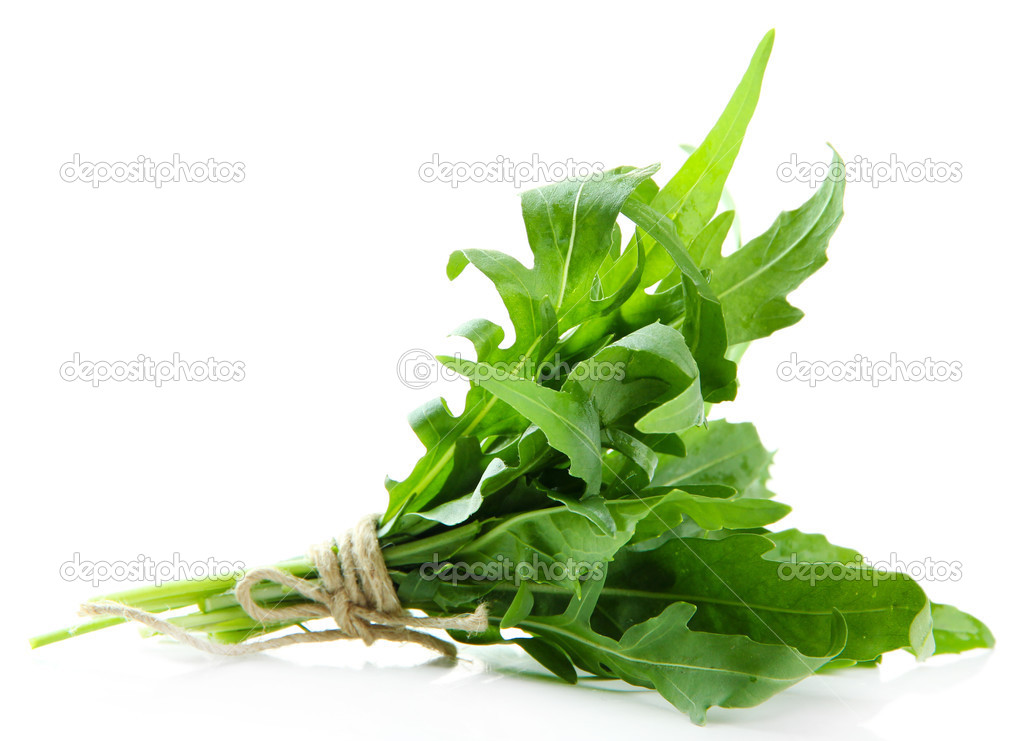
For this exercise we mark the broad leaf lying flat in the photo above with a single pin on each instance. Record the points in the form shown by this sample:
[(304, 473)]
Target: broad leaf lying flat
[(693, 670), (736, 591)]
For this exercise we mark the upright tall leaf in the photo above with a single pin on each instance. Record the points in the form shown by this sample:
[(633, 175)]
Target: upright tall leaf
[(752, 283), (570, 227), (691, 197), (703, 321)]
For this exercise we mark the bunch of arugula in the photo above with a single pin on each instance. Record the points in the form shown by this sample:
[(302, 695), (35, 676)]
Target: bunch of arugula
[(599, 512)]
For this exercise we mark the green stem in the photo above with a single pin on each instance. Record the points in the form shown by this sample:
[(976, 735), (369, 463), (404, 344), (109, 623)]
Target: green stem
[(60, 635), (169, 596)]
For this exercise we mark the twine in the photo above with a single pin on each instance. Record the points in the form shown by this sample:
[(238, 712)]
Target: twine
[(356, 592)]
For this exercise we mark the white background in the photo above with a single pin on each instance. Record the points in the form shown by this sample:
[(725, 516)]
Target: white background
[(327, 263)]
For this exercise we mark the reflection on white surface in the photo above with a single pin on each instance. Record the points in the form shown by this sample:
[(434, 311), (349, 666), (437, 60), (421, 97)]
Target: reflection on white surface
[(162, 690)]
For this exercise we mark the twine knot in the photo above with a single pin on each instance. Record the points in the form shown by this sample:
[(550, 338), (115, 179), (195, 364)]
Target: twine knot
[(355, 590)]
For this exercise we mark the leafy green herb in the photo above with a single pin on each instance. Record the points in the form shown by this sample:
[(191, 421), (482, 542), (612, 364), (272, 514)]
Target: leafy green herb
[(601, 513)]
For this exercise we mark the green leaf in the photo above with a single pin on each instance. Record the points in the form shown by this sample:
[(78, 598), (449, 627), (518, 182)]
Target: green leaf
[(531, 313), (520, 607), (449, 513), (709, 513), (571, 426), (691, 197), (684, 411), (704, 323), (752, 283), (644, 458), (619, 278), (704, 329), (652, 366), (956, 631), (808, 548), (555, 547), (659, 226), (452, 458), (556, 535), (721, 453), (737, 591), (692, 670), (490, 637), (530, 452), (551, 657), (570, 226), (706, 248)]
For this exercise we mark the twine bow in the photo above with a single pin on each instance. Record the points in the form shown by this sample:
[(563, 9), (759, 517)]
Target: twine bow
[(356, 592)]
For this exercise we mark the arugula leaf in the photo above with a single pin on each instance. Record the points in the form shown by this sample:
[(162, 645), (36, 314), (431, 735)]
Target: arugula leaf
[(571, 229), (551, 656), (709, 513), (597, 510), (693, 670), (529, 451), (706, 247), (533, 317), (956, 631), (569, 226), (571, 426), (691, 197), (752, 283), (738, 592), (703, 322), (449, 449), (652, 366), (721, 453), (808, 548)]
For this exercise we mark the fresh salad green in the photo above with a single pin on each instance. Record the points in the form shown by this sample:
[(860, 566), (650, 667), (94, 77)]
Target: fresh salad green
[(595, 509)]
